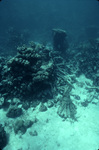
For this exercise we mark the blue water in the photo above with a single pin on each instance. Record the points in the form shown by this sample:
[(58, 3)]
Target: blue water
[(39, 17)]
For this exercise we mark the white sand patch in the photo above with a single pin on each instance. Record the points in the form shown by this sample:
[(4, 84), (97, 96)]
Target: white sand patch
[(62, 135), (56, 134)]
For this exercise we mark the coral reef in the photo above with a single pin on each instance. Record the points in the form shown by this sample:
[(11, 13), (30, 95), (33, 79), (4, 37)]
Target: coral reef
[(38, 73), (88, 59), (46, 76), (30, 71)]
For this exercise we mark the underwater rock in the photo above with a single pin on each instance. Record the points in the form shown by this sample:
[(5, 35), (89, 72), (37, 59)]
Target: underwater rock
[(25, 105), (15, 101), (34, 133), (85, 103), (42, 107), (14, 112), (1, 101), (19, 126), (59, 40), (50, 104), (22, 126), (35, 103), (77, 97), (3, 137), (7, 103)]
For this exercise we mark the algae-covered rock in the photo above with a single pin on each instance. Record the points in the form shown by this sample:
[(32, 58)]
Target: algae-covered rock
[(3, 137), (50, 104), (22, 126), (14, 112), (42, 107)]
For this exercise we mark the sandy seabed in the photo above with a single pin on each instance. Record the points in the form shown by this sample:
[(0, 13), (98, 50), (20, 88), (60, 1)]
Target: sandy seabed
[(55, 133)]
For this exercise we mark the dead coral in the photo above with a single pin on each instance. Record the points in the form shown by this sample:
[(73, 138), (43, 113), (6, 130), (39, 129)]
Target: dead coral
[(67, 109)]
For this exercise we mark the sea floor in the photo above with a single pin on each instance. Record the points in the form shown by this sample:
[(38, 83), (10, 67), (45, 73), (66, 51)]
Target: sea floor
[(51, 132)]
